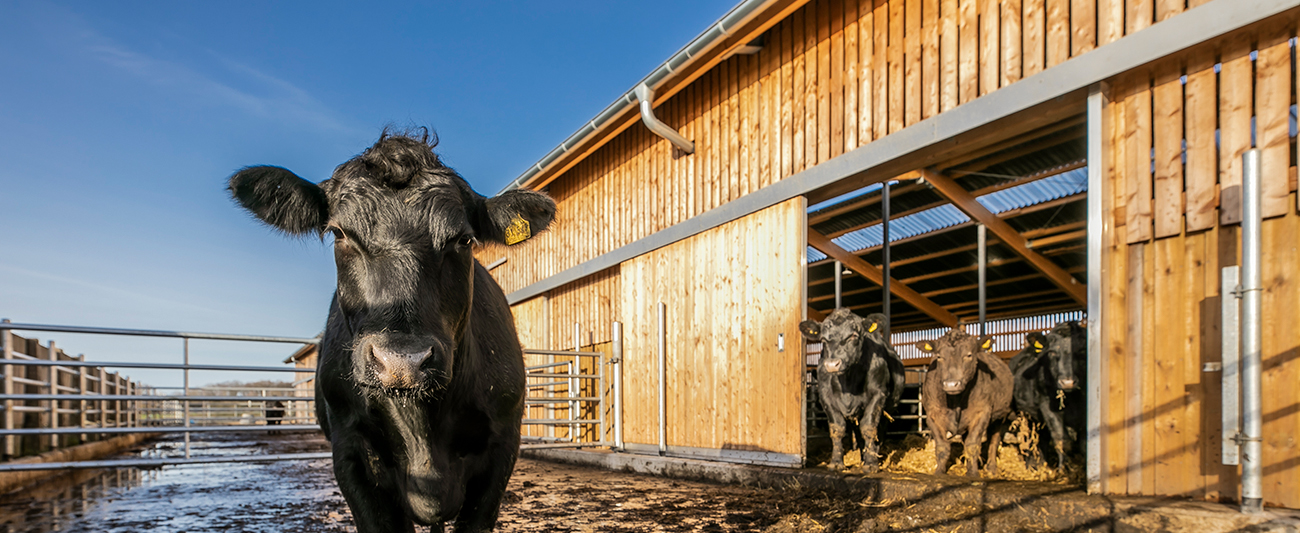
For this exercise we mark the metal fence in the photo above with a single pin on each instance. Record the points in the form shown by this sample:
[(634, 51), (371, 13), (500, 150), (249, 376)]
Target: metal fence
[(103, 408)]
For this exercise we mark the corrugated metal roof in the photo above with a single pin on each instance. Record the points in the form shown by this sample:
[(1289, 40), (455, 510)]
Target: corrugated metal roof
[(1032, 193)]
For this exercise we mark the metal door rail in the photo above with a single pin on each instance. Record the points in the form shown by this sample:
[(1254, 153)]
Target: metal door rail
[(164, 461)]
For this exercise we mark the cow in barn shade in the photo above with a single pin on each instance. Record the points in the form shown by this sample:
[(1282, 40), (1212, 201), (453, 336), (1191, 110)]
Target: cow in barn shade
[(859, 377), (420, 381), (967, 392), (1049, 374)]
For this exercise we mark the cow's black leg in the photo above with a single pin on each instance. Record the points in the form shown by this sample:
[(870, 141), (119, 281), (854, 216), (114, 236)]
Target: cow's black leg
[(837, 437), (483, 494), (870, 433), (374, 510), (1055, 426)]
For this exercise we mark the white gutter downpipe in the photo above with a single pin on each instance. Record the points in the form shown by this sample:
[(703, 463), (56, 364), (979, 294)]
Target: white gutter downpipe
[(646, 96), (715, 34)]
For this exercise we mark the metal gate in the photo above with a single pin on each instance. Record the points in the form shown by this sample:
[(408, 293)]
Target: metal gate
[(153, 409)]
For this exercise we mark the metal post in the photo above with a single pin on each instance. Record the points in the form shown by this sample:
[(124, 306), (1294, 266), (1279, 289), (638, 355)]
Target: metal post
[(1098, 161), (573, 383), (618, 385), (600, 399), (839, 283), (981, 235), (1231, 365), (1252, 497), (663, 379), (186, 413), (884, 259), (6, 338), (52, 379), (81, 389)]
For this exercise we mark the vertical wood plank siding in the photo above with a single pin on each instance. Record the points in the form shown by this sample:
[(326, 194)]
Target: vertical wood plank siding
[(1173, 217), (834, 75), (728, 296)]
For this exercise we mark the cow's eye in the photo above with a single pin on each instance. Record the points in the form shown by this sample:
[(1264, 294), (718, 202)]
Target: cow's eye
[(465, 241), (337, 233)]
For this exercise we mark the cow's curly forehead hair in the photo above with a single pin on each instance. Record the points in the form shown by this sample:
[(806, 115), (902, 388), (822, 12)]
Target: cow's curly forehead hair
[(401, 165)]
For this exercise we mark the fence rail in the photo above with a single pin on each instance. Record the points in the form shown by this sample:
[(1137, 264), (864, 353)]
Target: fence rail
[(52, 400)]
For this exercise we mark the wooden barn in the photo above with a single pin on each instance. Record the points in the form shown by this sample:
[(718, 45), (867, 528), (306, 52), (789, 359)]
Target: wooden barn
[(1096, 144)]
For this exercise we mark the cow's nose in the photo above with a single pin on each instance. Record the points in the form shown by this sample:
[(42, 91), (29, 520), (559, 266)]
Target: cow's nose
[(399, 370), (1065, 384), (834, 365)]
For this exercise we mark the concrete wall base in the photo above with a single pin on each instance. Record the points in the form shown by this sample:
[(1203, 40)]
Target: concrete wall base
[(83, 452)]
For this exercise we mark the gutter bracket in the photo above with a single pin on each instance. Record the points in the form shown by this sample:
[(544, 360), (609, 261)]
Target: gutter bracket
[(646, 96)]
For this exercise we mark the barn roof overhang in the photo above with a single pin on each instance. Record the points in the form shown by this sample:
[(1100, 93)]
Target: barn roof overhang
[(731, 34)]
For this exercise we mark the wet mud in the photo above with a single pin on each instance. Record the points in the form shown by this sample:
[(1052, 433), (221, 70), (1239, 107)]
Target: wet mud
[(301, 496)]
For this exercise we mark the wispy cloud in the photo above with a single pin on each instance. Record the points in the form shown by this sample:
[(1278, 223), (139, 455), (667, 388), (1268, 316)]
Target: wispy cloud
[(222, 81), (96, 291)]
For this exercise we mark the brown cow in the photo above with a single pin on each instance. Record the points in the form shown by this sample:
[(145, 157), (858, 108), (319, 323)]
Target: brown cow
[(967, 391)]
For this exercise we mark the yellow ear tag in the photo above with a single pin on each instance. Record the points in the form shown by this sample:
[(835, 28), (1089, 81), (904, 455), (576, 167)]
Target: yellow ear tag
[(928, 347), (987, 344), (1038, 345), (518, 231), (872, 329)]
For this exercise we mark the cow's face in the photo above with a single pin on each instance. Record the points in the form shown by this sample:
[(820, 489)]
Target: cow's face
[(403, 227), (1063, 351), (844, 336), (955, 358)]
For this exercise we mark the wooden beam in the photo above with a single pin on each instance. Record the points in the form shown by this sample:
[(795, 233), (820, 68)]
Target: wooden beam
[(1010, 238), (855, 263)]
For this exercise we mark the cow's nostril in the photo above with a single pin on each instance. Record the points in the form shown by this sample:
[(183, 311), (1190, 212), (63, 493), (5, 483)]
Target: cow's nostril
[(398, 369)]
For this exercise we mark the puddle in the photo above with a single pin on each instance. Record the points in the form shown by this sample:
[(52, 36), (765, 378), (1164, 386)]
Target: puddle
[(289, 496)]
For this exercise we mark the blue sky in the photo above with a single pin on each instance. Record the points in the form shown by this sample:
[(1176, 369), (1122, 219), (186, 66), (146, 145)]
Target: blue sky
[(119, 122)]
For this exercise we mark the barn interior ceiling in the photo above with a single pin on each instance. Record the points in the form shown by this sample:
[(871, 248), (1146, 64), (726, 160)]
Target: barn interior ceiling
[(1035, 182)]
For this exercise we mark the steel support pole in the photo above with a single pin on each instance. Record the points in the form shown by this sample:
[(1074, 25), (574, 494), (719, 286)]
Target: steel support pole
[(1099, 129), (884, 259), (663, 379), (7, 340), (981, 233), (618, 385), (839, 283), (574, 367), (53, 381), (186, 384), (1252, 496)]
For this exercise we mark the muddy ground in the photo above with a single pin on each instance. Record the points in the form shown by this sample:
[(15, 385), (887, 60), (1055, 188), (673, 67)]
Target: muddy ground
[(301, 497)]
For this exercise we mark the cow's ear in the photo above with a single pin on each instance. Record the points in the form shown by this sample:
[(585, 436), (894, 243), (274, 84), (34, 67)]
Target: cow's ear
[(811, 330), (281, 198), (514, 216), (986, 342), (925, 346)]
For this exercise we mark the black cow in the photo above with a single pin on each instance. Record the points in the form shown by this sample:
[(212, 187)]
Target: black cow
[(859, 377), (420, 382), (967, 391), (1049, 374), (274, 414)]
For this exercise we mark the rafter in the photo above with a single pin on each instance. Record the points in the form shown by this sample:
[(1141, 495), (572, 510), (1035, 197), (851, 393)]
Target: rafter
[(1009, 236), (855, 263)]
